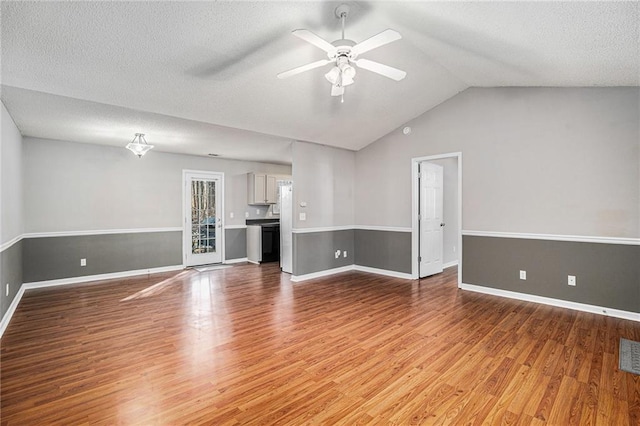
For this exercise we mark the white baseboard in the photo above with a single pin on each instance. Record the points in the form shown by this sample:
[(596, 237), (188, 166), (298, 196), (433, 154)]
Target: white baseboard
[(384, 272), (100, 277), (12, 308), (238, 260), (319, 274), (617, 313)]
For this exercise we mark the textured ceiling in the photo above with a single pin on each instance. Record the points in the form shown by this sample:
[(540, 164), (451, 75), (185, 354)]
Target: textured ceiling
[(194, 76)]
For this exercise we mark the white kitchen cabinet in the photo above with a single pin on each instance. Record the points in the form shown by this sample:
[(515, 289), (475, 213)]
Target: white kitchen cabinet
[(262, 189)]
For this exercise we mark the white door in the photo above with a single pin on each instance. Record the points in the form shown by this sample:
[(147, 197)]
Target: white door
[(203, 218), (431, 218)]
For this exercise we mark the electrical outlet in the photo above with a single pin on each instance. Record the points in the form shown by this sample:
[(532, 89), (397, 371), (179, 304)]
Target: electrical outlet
[(258, 211), (83, 262), (337, 254), (523, 275), (571, 280), (344, 253)]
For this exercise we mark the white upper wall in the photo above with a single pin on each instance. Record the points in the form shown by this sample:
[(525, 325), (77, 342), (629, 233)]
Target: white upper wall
[(79, 187), (11, 222), (535, 160), (323, 178)]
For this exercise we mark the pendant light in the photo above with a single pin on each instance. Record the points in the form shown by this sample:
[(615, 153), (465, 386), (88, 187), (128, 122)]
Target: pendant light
[(139, 145)]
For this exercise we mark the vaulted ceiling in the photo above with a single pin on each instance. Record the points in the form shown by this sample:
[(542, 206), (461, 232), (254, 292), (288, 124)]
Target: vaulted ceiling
[(200, 77)]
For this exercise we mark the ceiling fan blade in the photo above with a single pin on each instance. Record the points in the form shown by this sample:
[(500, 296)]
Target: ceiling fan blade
[(314, 39), (385, 70), (385, 37), (304, 68), (337, 90)]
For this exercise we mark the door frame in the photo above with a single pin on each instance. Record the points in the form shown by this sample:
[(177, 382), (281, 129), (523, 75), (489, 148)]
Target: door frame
[(207, 174), (415, 191)]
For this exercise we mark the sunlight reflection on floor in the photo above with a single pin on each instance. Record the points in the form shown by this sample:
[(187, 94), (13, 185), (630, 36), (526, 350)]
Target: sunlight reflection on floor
[(159, 287)]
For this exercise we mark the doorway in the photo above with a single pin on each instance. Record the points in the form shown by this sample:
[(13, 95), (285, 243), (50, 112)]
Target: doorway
[(436, 242), (203, 234)]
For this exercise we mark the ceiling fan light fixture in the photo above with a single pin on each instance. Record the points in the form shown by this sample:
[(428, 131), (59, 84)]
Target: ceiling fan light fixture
[(139, 145), (333, 75), (344, 54), (348, 72)]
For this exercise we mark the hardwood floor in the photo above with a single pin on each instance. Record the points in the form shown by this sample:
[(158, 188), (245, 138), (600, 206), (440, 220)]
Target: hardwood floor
[(244, 345)]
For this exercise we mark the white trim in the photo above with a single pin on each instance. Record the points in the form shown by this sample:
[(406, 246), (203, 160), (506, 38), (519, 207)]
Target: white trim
[(349, 227), (322, 229), (633, 316), (235, 227), (100, 277), (383, 228), (319, 274), (554, 237), (99, 232), (236, 260), (450, 264), (10, 243), (384, 272), (415, 249), (325, 273), (4, 323)]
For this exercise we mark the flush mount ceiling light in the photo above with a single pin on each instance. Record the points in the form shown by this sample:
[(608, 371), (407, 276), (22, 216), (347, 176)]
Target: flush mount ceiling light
[(139, 145), (343, 54)]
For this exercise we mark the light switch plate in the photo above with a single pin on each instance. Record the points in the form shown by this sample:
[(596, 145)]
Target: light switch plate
[(523, 275), (230, 215), (303, 216)]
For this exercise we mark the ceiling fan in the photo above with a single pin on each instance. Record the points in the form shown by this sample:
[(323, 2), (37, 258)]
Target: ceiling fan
[(343, 54)]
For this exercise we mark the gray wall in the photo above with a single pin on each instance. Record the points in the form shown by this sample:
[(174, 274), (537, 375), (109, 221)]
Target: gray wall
[(535, 160), (561, 161), (606, 274), (11, 221), (10, 273), (77, 187), (80, 187), (53, 258), (383, 250), (323, 177), (235, 243), (315, 251)]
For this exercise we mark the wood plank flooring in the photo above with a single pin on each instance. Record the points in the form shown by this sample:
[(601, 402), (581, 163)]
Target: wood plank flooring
[(246, 346)]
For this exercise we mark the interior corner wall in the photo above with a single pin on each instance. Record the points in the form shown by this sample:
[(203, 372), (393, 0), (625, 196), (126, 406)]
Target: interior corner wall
[(323, 190), (11, 222), (76, 194), (548, 161)]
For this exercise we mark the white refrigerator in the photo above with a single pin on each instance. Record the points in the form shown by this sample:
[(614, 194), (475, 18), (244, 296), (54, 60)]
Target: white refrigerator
[(285, 189)]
